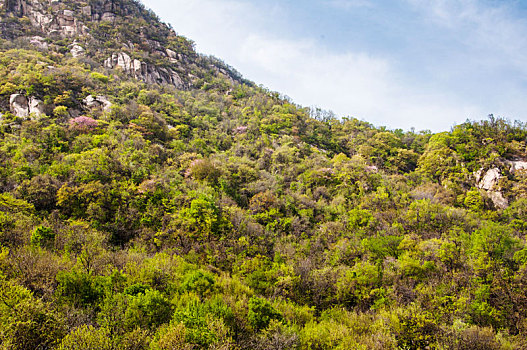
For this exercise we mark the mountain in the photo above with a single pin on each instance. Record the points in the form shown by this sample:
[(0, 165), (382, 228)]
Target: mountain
[(152, 198)]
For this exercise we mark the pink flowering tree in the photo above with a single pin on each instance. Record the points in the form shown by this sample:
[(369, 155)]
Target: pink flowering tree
[(83, 124)]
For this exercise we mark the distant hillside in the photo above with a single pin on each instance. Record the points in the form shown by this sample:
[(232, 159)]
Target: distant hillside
[(151, 198)]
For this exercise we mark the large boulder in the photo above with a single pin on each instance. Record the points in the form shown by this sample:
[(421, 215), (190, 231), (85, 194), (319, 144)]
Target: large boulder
[(77, 50), (36, 107), (97, 102), (23, 107), (489, 181), (19, 105), (38, 42), (517, 165)]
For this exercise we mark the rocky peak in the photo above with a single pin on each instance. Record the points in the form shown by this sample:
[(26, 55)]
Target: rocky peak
[(120, 35)]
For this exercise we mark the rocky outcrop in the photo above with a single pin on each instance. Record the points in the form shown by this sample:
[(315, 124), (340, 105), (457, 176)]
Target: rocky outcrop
[(38, 42), (97, 102), (53, 18), (19, 105), (51, 21), (517, 165), (489, 181), (148, 73), (77, 50), (24, 107)]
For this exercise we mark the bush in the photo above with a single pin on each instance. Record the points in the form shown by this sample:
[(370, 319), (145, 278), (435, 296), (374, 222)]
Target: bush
[(31, 324), (261, 312), (148, 310), (100, 77), (79, 288), (87, 337), (42, 236), (198, 281)]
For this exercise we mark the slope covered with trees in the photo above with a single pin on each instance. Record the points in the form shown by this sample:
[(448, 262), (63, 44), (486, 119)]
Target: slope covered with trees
[(170, 204)]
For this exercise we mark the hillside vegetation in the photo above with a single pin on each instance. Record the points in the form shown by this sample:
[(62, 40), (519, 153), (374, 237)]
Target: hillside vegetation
[(171, 204)]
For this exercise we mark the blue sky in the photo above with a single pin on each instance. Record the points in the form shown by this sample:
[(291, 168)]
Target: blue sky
[(427, 64)]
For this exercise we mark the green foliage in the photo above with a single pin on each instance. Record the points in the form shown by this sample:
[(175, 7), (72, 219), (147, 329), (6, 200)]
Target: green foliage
[(27, 322), (199, 282), (147, 310), (100, 77), (473, 200), (80, 288), (221, 215), (261, 312), (87, 337), (42, 236)]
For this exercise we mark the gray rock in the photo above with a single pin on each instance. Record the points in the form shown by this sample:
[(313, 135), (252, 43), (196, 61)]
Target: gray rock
[(124, 62), (38, 42), (39, 19), (516, 165), (146, 72), (77, 50), (74, 113), (86, 10), (97, 102), (172, 56), (19, 105), (489, 183), (498, 199), (108, 17), (23, 107), (489, 180), (36, 107)]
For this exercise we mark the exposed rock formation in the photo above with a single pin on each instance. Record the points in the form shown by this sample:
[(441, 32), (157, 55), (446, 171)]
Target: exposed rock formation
[(148, 73), (77, 50), (489, 182), (517, 165), (498, 200), (52, 23), (19, 105), (38, 42), (23, 107), (97, 102)]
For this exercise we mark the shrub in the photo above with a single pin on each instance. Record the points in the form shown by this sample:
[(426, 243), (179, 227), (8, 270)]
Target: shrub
[(83, 124), (79, 288), (42, 236), (100, 77), (261, 312), (87, 337), (198, 281), (148, 310)]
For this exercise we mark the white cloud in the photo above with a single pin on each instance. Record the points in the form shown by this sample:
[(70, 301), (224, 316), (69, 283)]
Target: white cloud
[(350, 4), (350, 82), (492, 31)]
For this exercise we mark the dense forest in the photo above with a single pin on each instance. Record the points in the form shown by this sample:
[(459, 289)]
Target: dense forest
[(151, 198)]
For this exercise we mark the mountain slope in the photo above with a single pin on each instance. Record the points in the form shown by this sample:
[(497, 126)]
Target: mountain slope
[(116, 34), (150, 198)]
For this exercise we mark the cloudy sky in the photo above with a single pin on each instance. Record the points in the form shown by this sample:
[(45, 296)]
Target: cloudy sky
[(427, 64)]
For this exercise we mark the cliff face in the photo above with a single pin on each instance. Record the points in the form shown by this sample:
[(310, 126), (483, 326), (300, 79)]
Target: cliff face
[(117, 34)]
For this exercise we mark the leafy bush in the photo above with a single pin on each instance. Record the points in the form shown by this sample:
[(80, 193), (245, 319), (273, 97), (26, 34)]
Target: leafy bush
[(261, 312), (42, 236)]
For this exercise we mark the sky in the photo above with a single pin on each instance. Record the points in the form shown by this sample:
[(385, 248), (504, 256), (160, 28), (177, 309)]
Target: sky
[(423, 64)]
